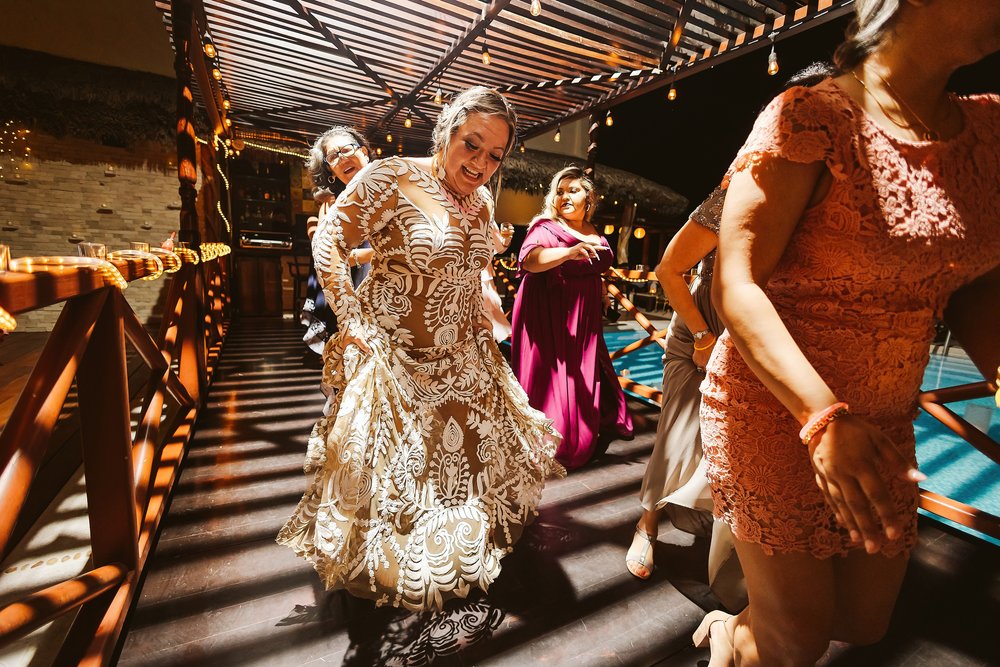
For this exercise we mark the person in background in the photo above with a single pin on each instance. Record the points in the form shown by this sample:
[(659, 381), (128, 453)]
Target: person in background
[(857, 213), (557, 346), (429, 462), (335, 158)]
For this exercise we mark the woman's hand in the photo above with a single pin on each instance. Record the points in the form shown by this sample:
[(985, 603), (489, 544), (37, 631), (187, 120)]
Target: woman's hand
[(847, 456), (700, 357), (584, 250)]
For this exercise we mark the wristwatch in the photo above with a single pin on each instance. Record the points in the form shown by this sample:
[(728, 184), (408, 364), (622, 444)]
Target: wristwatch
[(698, 335)]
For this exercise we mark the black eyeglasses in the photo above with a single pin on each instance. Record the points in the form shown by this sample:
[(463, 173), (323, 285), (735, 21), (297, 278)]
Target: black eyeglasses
[(346, 151)]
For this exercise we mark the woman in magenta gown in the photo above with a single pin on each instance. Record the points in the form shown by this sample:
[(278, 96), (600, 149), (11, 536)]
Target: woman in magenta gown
[(557, 346)]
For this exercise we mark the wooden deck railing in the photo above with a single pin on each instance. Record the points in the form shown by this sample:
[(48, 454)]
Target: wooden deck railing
[(128, 479)]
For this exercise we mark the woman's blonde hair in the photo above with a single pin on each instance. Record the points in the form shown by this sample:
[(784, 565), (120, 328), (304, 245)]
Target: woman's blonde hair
[(871, 28), (477, 99), (549, 207)]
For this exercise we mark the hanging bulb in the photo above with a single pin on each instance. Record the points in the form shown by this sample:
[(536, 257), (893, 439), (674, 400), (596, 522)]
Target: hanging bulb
[(558, 136), (639, 232), (772, 62), (378, 150), (226, 104), (388, 137), (608, 120), (408, 123), (609, 230), (217, 74), (229, 123), (672, 93), (520, 148), (536, 7), (438, 96), (486, 54), (210, 49)]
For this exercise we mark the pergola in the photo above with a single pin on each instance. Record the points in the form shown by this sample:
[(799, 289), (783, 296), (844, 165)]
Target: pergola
[(291, 68)]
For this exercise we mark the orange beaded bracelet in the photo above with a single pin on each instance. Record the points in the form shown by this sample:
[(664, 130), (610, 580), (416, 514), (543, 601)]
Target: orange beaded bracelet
[(821, 419)]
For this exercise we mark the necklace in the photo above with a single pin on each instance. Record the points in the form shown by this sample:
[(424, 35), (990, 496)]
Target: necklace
[(461, 204), (924, 131)]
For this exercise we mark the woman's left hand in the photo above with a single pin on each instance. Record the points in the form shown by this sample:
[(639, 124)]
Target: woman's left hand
[(701, 357)]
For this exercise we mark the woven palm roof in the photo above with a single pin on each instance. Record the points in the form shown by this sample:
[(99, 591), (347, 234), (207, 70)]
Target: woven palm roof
[(296, 67)]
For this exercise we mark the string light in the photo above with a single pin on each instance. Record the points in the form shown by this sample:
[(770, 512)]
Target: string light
[(487, 59), (408, 123), (772, 59), (672, 93), (388, 137), (229, 123), (639, 232), (520, 147), (378, 150), (225, 103), (271, 149), (609, 230), (608, 120), (536, 7), (217, 74), (558, 136), (210, 49)]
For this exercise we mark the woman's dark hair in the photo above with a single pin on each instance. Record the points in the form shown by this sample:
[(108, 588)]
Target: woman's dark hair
[(323, 179), (870, 29)]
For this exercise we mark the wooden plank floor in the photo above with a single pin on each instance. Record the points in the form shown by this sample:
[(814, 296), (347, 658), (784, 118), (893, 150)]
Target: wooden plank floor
[(221, 592)]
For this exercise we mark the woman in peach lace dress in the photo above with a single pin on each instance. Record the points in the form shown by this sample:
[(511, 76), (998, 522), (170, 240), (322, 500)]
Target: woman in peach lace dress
[(857, 213)]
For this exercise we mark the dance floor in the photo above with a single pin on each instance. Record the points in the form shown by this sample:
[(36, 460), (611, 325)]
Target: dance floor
[(221, 592)]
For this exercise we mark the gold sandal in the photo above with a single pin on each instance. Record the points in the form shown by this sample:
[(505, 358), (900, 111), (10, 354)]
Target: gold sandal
[(647, 554)]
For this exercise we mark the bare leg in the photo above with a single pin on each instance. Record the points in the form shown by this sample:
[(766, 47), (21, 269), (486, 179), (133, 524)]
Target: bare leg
[(799, 603)]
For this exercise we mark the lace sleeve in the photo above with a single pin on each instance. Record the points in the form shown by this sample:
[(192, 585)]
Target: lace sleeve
[(801, 125), (364, 208)]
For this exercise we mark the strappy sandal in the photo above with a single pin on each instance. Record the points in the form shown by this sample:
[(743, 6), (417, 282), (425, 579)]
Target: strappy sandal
[(646, 556)]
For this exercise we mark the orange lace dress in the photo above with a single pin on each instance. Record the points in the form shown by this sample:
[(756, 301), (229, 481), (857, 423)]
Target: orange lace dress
[(865, 276)]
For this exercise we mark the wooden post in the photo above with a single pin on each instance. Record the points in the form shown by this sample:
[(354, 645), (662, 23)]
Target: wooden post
[(182, 18), (595, 124)]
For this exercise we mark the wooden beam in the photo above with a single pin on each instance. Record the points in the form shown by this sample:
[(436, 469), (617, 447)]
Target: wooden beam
[(477, 28)]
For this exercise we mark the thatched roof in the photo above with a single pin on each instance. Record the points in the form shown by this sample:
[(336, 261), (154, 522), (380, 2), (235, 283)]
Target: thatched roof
[(531, 172)]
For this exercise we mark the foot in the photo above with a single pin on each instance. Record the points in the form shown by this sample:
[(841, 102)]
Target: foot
[(713, 632), (639, 559)]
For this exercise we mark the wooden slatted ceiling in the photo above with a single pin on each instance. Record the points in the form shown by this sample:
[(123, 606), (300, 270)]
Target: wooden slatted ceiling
[(298, 66)]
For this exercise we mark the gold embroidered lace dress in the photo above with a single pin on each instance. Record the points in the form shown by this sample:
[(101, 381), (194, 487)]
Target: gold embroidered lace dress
[(429, 461)]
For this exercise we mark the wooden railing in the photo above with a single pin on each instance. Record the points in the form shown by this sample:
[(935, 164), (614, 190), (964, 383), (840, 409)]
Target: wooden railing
[(934, 403), (128, 479)]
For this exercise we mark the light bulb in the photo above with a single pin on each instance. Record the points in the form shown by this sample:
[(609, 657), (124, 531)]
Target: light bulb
[(638, 232), (772, 62), (672, 93), (229, 122), (408, 123), (438, 96), (536, 7), (226, 104), (388, 137), (608, 120), (210, 50), (609, 230), (520, 148), (378, 150), (217, 74), (558, 137), (486, 54)]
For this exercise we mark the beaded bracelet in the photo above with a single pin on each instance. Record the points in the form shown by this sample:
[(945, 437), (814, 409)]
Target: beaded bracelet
[(819, 421), (702, 349)]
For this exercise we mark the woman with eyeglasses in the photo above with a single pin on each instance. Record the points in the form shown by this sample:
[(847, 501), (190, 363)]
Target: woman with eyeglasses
[(429, 462), (335, 157)]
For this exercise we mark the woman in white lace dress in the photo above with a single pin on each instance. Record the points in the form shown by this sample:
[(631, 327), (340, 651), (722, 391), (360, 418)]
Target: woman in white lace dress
[(429, 462)]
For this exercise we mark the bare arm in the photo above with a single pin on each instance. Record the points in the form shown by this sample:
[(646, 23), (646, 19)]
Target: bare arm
[(688, 247), (543, 259), (973, 315), (760, 214)]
